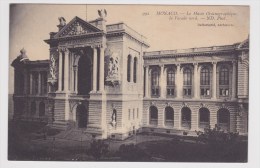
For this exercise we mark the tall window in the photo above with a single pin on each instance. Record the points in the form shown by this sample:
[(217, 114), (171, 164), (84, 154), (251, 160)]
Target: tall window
[(129, 114), (224, 81), (186, 117), (187, 81), (35, 83), (169, 116), (33, 108), (155, 83), (205, 82), (129, 68), (203, 118), (135, 69), (44, 82), (41, 109), (153, 115), (170, 82), (224, 119)]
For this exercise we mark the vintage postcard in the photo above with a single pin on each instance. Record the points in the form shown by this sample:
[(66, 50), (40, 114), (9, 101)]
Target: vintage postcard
[(135, 83)]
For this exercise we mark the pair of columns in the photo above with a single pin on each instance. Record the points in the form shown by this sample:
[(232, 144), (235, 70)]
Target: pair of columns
[(196, 81), (64, 85), (101, 69)]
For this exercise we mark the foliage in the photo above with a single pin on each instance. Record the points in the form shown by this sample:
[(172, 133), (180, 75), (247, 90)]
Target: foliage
[(98, 148), (216, 136), (132, 152)]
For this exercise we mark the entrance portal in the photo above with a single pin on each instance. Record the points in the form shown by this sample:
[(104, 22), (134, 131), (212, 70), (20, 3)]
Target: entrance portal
[(84, 75), (81, 116)]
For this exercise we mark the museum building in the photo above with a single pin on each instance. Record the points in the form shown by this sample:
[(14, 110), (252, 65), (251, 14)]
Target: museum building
[(100, 79)]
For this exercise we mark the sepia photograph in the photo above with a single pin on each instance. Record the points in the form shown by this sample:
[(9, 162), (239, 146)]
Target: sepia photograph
[(129, 83)]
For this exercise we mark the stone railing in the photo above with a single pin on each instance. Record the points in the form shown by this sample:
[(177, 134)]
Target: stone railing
[(189, 50)]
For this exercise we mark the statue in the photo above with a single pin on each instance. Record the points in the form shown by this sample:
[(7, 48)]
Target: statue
[(113, 118), (62, 21), (53, 68), (102, 14)]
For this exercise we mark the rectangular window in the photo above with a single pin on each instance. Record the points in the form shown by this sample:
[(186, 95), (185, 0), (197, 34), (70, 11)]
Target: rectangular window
[(223, 92), (133, 114), (170, 92), (137, 113), (129, 114)]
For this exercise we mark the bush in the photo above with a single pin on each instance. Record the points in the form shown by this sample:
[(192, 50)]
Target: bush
[(132, 152), (215, 136), (98, 148)]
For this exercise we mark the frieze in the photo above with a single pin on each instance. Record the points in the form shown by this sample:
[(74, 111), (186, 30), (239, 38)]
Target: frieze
[(115, 38), (86, 41)]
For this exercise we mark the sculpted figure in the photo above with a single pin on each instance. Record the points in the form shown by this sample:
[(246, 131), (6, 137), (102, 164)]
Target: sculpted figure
[(62, 21)]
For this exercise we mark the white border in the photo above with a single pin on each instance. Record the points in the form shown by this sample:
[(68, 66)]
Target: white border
[(254, 140)]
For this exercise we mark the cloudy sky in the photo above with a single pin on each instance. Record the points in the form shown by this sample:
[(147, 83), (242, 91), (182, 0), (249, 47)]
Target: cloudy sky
[(30, 24)]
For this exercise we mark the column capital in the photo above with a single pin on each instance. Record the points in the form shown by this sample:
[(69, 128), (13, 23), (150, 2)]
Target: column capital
[(234, 62), (161, 65), (214, 62), (63, 49), (195, 63)]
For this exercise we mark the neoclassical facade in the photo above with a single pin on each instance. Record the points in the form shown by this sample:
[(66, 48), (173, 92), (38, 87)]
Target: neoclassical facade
[(100, 79)]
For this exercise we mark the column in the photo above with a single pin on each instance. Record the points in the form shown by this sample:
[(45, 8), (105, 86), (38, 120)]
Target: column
[(214, 80), (101, 69), (60, 72), (75, 68), (234, 84), (39, 83), (146, 81), (195, 81), (94, 84), (31, 83), (179, 81), (66, 71), (162, 82)]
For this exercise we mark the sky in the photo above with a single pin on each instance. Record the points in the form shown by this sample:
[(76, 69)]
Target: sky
[(30, 24)]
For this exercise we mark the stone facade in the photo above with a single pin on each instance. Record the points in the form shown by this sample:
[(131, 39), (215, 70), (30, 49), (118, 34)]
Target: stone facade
[(100, 78)]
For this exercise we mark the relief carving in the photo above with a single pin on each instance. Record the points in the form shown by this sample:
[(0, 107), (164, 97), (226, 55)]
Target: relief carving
[(113, 76), (53, 67)]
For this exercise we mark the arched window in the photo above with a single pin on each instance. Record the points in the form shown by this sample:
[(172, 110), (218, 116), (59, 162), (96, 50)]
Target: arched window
[(155, 83), (129, 68), (135, 70), (33, 108), (153, 115), (170, 82), (41, 109), (223, 119), (169, 116), (205, 82), (203, 118), (186, 118), (224, 81), (187, 81)]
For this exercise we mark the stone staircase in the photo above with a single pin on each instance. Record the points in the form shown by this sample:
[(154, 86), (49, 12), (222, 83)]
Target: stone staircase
[(60, 125)]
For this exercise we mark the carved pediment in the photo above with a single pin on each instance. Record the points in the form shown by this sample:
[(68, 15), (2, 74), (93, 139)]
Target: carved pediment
[(76, 26)]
